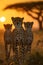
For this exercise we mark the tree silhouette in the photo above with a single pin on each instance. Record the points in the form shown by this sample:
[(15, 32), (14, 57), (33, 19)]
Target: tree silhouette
[(28, 7)]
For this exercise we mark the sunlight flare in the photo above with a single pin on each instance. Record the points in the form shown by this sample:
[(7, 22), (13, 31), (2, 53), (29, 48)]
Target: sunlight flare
[(2, 19)]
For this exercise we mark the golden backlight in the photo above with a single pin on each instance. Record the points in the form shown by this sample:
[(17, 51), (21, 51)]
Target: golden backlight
[(2, 19), (5, 16)]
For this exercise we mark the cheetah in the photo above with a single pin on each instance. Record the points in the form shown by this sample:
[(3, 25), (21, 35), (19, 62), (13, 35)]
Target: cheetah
[(18, 36), (28, 35), (8, 39)]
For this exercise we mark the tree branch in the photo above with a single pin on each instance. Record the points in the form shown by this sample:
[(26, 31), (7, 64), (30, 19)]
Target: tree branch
[(32, 16)]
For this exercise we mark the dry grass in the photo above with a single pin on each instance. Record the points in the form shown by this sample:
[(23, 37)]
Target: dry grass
[(38, 35)]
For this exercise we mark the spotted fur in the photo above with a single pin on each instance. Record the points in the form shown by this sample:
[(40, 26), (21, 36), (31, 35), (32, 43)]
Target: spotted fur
[(28, 35), (8, 39), (18, 35)]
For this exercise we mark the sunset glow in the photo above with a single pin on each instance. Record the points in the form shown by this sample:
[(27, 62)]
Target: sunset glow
[(5, 16), (2, 19), (19, 45)]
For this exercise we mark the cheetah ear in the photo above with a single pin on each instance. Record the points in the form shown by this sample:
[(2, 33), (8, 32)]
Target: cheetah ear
[(13, 20), (4, 25), (32, 23), (11, 25), (22, 18), (24, 23)]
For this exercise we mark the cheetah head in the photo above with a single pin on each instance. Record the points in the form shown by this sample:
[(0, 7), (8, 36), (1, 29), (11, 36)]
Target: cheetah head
[(28, 25), (17, 21), (8, 26)]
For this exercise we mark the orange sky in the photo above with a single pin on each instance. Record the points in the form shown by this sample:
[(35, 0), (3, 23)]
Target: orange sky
[(9, 13)]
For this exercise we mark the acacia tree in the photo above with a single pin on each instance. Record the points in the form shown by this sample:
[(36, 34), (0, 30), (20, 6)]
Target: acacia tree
[(29, 7), (39, 17)]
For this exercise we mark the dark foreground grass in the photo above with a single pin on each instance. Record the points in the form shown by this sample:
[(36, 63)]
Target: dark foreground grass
[(33, 58)]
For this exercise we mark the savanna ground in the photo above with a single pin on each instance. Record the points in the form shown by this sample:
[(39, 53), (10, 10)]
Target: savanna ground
[(38, 35)]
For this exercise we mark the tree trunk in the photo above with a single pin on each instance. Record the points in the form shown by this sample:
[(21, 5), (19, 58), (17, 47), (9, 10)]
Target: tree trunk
[(40, 21), (40, 25)]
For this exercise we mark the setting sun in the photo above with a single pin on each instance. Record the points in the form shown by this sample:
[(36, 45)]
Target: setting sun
[(2, 19), (21, 32)]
